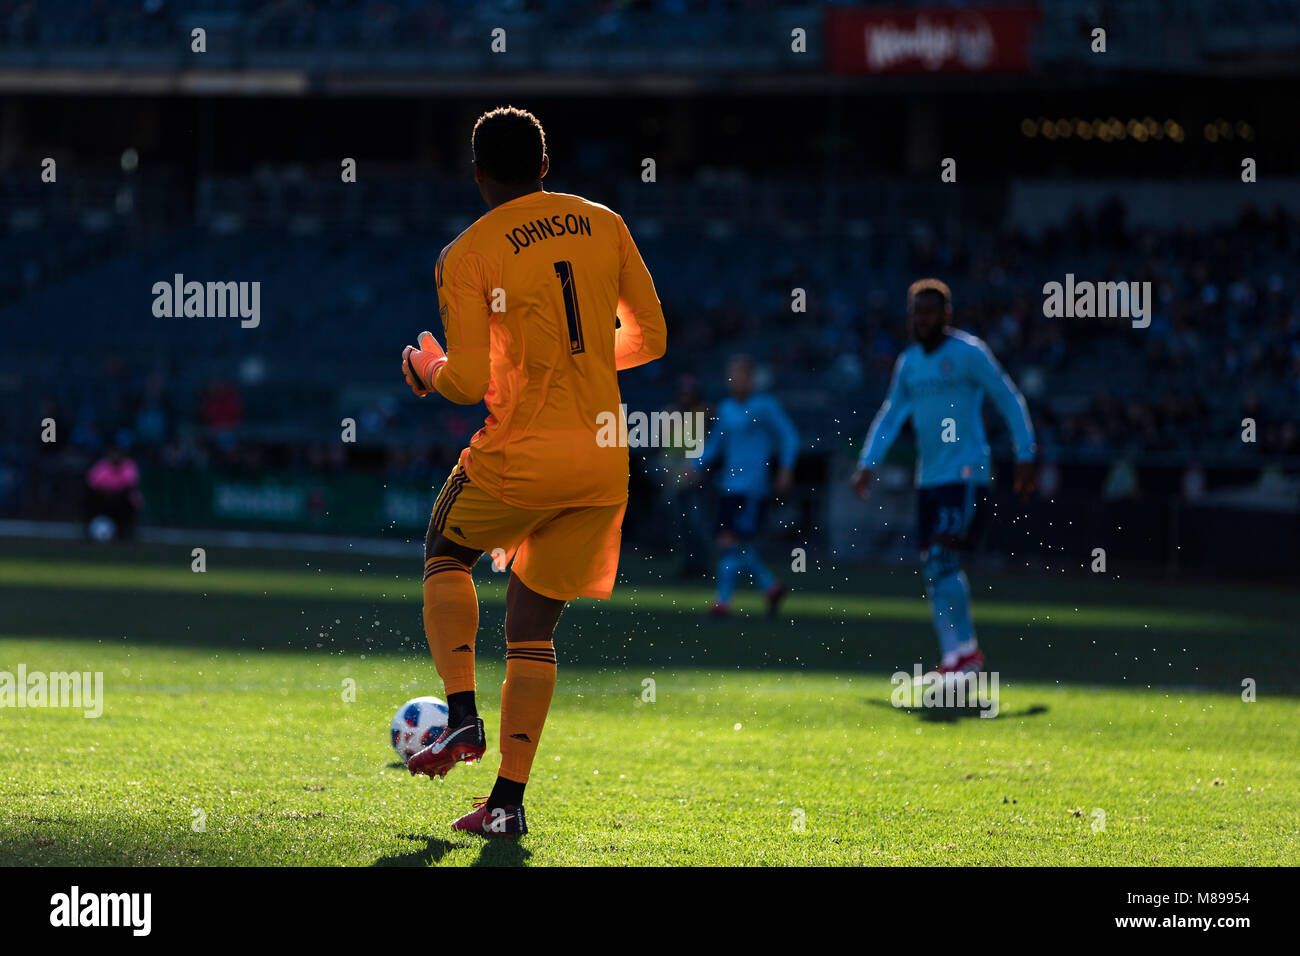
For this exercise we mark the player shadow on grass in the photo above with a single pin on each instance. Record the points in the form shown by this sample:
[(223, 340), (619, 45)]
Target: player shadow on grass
[(435, 848), (499, 852), (493, 853), (948, 715)]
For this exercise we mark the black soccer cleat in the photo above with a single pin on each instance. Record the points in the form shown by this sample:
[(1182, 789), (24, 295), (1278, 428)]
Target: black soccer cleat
[(775, 595)]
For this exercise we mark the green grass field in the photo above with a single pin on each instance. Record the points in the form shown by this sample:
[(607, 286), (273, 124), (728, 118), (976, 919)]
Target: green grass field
[(226, 739)]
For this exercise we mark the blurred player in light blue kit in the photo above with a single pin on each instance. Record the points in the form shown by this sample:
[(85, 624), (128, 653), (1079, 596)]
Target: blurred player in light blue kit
[(940, 383), (751, 430)]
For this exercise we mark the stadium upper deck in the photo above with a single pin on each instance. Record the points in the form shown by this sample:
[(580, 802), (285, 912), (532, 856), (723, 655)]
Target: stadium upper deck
[(282, 46)]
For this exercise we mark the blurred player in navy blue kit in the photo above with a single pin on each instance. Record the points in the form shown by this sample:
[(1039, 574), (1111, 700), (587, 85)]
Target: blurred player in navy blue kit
[(751, 431)]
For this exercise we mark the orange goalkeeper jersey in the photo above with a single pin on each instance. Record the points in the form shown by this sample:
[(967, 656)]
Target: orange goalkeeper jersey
[(529, 296)]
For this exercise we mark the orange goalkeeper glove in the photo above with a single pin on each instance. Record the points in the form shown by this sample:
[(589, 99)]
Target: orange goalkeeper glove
[(420, 363)]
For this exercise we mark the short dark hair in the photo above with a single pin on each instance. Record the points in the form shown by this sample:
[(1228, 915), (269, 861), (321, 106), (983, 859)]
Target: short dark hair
[(508, 145), (933, 286)]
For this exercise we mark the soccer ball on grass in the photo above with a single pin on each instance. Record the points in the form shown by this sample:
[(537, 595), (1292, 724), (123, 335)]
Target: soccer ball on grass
[(417, 724)]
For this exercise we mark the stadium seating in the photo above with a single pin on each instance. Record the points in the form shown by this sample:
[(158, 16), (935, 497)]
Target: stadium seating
[(343, 289)]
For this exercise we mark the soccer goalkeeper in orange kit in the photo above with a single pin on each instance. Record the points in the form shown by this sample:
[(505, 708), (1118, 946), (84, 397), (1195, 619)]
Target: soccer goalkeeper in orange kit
[(529, 296)]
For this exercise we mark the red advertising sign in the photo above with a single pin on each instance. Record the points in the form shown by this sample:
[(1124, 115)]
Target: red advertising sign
[(929, 40)]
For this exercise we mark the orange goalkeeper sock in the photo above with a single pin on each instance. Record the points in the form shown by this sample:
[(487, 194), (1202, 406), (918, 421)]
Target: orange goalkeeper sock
[(451, 621), (525, 700)]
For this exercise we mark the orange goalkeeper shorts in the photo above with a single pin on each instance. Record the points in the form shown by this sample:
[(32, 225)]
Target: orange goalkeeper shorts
[(561, 553)]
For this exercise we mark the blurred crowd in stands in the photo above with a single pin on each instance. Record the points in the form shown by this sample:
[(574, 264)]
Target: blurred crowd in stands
[(312, 23), (318, 28), (1223, 346)]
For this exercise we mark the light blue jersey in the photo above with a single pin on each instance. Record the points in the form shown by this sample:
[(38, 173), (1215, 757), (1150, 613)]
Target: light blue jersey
[(943, 393), (745, 438)]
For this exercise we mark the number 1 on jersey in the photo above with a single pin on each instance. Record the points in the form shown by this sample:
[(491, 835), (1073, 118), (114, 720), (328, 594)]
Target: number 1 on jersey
[(564, 272)]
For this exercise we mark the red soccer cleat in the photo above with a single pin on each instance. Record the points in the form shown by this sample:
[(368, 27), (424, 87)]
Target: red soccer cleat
[(501, 822), (467, 743), (971, 663)]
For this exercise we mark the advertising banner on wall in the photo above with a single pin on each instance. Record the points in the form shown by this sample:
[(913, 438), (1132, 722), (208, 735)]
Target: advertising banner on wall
[(929, 40)]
